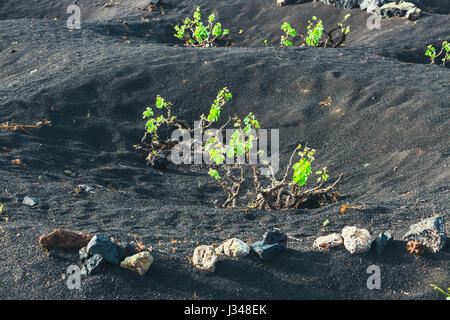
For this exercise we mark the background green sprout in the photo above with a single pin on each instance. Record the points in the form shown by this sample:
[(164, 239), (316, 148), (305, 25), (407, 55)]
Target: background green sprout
[(316, 35), (445, 50), (289, 32), (314, 32), (198, 34)]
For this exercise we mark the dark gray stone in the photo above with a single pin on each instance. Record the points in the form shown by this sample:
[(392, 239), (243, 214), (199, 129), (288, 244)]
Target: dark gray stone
[(275, 237), (382, 240), (160, 163), (84, 255), (93, 265), (266, 251), (126, 250), (109, 250), (430, 232)]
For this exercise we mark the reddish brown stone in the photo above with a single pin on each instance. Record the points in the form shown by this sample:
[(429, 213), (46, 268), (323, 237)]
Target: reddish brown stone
[(64, 240), (415, 247), (18, 162)]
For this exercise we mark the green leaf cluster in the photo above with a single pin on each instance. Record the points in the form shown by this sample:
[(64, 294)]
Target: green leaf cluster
[(445, 50), (241, 141), (314, 32), (289, 32), (197, 33), (153, 123), (222, 97), (302, 168), (344, 29)]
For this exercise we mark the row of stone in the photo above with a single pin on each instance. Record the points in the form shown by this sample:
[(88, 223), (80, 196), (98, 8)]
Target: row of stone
[(98, 250), (429, 234), (101, 249), (387, 8), (206, 256)]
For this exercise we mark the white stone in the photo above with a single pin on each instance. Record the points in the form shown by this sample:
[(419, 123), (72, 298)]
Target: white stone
[(413, 14), (356, 240), (329, 241), (29, 201), (234, 248), (205, 258), (139, 262)]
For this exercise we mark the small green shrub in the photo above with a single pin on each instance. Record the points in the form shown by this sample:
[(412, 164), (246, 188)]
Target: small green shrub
[(431, 52), (316, 35), (154, 123), (445, 50), (289, 32), (198, 34)]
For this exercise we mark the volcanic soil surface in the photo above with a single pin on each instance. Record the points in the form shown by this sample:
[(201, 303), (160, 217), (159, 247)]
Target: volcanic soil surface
[(386, 130)]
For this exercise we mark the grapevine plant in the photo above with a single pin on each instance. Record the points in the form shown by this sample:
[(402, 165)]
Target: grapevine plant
[(445, 50), (270, 192), (316, 35), (198, 34), (289, 33)]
